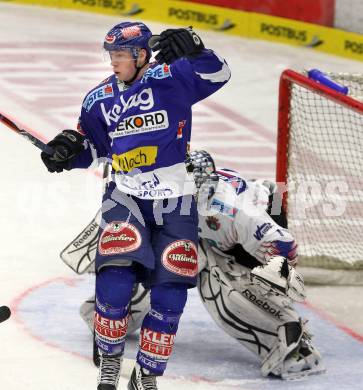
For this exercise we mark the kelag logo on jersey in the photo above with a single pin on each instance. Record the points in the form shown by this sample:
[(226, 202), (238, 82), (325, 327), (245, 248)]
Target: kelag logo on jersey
[(144, 100), (144, 123), (98, 94), (135, 158), (158, 72)]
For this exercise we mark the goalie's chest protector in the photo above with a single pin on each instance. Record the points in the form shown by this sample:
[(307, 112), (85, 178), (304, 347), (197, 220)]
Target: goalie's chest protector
[(233, 213)]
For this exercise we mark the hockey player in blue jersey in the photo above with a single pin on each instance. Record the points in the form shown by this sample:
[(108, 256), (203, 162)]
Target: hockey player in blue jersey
[(139, 119)]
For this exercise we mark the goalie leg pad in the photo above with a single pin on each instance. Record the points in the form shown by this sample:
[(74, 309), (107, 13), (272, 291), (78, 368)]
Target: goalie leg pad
[(245, 311), (113, 293)]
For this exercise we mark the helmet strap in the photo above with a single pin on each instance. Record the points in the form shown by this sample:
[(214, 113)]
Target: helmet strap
[(137, 71)]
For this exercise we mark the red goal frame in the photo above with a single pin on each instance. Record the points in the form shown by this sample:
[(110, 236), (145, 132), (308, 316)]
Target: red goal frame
[(289, 77)]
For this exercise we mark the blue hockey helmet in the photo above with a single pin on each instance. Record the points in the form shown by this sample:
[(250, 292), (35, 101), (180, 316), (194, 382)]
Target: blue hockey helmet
[(128, 35)]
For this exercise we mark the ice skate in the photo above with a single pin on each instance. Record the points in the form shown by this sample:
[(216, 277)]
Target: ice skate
[(109, 372), (304, 361), (142, 379)]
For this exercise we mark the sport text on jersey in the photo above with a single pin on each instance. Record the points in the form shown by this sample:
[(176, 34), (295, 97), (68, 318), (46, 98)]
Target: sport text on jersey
[(144, 100)]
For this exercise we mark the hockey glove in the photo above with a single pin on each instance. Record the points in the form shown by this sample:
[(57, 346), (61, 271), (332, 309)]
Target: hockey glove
[(176, 43), (277, 275), (67, 145)]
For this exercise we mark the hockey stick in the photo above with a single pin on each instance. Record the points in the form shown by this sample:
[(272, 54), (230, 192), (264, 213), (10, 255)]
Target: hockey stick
[(5, 313), (30, 137)]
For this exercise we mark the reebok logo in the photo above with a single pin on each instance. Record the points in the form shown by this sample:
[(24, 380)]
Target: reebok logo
[(85, 235), (262, 304)]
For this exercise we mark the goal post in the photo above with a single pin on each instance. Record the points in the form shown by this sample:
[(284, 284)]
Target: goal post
[(320, 171)]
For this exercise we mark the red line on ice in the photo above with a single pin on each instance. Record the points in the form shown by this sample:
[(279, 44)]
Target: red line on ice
[(16, 317), (323, 314)]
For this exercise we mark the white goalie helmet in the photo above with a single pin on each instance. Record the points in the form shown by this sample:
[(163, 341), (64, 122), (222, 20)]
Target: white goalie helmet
[(202, 165)]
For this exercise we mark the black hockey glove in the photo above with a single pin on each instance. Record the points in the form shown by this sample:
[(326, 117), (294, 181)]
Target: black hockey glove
[(176, 43), (66, 145)]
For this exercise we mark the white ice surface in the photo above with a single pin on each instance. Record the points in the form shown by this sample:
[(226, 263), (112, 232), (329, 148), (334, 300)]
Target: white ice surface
[(48, 61)]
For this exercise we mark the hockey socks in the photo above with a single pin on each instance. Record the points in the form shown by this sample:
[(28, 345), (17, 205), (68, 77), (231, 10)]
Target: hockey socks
[(113, 294), (160, 326)]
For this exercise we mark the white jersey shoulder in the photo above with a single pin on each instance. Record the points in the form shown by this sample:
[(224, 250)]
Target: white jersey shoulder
[(237, 214)]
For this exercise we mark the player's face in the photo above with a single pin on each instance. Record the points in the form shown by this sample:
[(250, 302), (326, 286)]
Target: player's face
[(123, 64)]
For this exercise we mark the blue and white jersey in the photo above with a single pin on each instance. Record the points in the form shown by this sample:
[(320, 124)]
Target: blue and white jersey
[(237, 214), (145, 130)]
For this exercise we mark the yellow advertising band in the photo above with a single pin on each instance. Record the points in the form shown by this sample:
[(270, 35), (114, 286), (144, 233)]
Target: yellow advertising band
[(228, 21)]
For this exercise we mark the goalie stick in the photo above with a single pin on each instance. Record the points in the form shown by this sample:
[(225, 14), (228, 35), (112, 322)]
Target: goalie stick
[(5, 313), (30, 137)]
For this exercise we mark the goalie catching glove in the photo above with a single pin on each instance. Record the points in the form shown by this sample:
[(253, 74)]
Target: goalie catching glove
[(66, 145), (176, 43), (279, 276)]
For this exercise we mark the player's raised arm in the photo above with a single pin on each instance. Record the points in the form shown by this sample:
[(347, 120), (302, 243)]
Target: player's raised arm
[(201, 70)]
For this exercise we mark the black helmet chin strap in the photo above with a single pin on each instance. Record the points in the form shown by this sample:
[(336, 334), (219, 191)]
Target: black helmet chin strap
[(137, 71)]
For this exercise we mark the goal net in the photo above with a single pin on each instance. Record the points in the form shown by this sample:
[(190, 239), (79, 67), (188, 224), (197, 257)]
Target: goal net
[(320, 168)]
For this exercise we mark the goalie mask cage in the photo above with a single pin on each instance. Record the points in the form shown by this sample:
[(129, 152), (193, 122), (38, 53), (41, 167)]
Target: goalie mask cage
[(320, 166)]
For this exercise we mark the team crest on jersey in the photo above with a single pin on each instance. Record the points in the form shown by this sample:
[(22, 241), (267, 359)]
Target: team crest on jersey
[(181, 258), (100, 93), (158, 72), (213, 223), (119, 237)]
